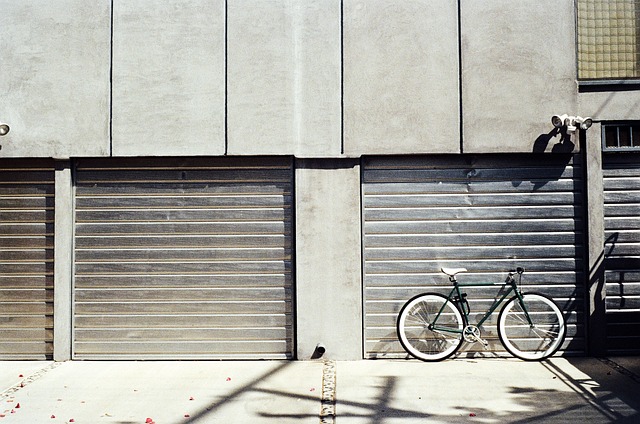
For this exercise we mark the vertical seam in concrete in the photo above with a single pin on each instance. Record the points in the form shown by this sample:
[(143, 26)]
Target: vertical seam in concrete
[(111, 84), (294, 269), (363, 341), (226, 78), (342, 77), (461, 128)]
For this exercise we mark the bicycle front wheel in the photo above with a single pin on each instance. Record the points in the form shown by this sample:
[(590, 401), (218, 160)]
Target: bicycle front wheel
[(430, 327), (534, 340)]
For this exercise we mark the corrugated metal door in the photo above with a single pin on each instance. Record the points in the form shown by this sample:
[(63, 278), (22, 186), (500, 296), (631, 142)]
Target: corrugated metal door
[(621, 175), (183, 259), (486, 213), (26, 259)]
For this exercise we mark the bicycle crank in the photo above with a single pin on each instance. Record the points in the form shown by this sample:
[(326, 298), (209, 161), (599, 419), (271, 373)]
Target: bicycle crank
[(471, 334)]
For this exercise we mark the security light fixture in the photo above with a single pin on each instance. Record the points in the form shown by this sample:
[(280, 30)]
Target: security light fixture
[(4, 128), (571, 123), (584, 123), (558, 121)]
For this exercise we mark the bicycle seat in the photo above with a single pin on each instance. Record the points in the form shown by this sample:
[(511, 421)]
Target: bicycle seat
[(453, 271)]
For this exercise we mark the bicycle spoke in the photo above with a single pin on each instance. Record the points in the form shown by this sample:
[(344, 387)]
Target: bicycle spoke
[(535, 337), (415, 327)]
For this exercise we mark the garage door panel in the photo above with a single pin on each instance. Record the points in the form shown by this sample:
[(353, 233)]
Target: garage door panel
[(183, 321), (203, 200), (200, 281), (182, 174), (473, 226), (381, 172), (185, 349), (505, 212), (26, 259), (472, 239), (188, 307), (487, 266), (466, 252), (154, 334), (622, 210), (182, 294), (621, 180), (477, 200), (200, 214), (182, 241), (193, 255), (183, 259), (381, 296), (438, 278), (480, 212), (155, 228)]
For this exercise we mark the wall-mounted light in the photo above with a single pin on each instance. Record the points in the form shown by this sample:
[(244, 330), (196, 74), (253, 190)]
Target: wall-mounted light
[(584, 123), (4, 129), (558, 121), (571, 123)]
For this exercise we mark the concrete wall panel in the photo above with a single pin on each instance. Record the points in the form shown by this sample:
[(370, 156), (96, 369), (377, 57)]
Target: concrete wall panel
[(284, 77), (610, 105), (401, 77), (328, 258), (518, 69), (54, 77), (168, 78)]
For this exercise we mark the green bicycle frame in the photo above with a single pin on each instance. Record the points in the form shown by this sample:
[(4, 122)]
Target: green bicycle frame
[(456, 293)]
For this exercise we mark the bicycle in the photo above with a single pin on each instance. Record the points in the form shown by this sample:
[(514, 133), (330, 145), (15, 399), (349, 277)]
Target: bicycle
[(432, 327)]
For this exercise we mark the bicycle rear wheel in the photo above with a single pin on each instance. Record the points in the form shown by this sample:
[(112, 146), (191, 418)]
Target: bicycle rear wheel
[(535, 341), (416, 330)]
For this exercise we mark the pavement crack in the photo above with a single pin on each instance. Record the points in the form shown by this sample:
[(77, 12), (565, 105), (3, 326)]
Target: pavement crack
[(328, 401)]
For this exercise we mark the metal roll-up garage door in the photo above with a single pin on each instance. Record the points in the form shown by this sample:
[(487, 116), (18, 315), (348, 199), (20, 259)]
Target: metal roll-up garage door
[(183, 259), (621, 175), (26, 259), (486, 213)]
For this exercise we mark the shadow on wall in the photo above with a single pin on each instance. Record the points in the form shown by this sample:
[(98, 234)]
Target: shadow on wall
[(560, 155), (564, 144)]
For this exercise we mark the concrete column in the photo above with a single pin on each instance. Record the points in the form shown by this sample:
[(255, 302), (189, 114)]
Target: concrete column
[(596, 320), (328, 258), (62, 288)]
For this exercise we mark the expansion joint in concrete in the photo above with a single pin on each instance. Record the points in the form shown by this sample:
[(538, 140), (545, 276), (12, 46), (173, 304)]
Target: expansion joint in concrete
[(8, 393), (328, 402), (619, 368)]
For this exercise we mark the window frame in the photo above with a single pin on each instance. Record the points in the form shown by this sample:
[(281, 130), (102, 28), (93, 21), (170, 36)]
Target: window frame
[(631, 124), (598, 84)]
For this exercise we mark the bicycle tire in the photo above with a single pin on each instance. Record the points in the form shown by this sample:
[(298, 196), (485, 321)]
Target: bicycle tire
[(531, 342), (415, 334)]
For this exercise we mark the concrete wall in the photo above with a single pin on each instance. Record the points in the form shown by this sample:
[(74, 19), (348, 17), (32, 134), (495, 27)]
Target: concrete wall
[(328, 78), (168, 78), (283, 70), (401, 84), (518, 69), (328, 258), (54, 77)]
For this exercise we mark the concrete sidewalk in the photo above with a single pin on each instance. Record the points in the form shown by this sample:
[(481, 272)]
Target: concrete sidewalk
[(368, 392)]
